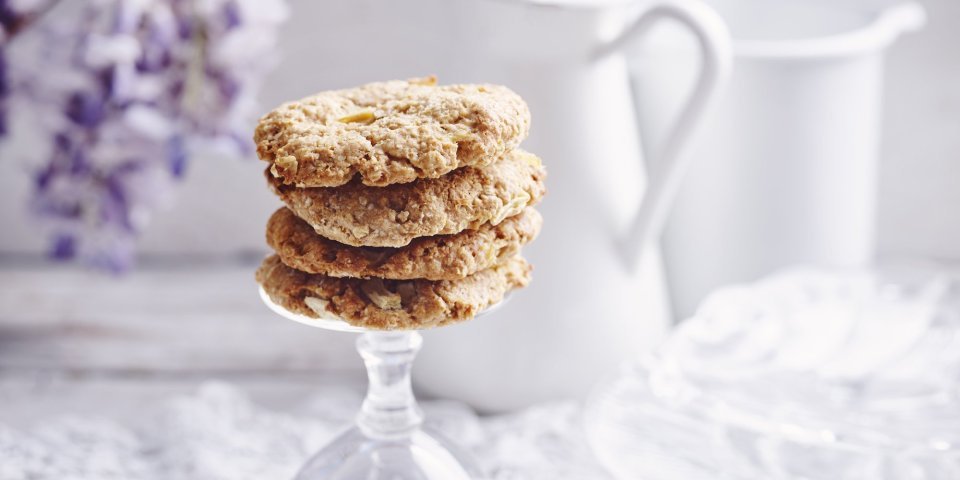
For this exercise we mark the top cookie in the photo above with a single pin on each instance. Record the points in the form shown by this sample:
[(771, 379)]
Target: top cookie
[(390, 132)]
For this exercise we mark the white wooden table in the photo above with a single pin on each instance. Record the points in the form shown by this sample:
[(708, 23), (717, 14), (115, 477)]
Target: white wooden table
[(72, 341), (94, 347)]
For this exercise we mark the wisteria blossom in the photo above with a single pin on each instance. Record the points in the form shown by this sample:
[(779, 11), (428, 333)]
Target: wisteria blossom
[(125, 91)]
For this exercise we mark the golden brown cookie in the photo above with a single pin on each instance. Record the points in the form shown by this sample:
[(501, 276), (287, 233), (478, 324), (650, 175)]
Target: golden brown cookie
[(392, 216), (390, 304), (446, 257), (390, 132)]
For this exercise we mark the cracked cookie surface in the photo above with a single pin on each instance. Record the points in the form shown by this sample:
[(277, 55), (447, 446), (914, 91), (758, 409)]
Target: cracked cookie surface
[(391, 304), (390, 132), (445, 257), (392, 216)]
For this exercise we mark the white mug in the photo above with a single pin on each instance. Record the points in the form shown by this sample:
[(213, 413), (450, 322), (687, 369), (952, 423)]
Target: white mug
[(788, 162), (591, 303)]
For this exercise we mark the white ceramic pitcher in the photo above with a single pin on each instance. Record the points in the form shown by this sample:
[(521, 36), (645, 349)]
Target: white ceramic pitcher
[(591, 303)]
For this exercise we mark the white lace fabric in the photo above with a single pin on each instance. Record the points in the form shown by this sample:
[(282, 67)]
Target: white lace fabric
[(219, 433)]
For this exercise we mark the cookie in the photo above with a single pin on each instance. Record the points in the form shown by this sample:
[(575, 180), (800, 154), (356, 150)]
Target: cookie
[(390, 304), (446, 257), (392, 216), (390, 132)]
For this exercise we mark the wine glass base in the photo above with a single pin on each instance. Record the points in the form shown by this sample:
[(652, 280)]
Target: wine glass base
[(421, 455)]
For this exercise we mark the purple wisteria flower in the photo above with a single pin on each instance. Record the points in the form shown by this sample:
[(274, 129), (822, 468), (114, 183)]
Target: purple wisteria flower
[(126, 90), (10, 18)]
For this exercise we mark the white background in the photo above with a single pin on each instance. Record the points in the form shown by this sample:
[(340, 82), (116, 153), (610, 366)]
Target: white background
[(223, 205)]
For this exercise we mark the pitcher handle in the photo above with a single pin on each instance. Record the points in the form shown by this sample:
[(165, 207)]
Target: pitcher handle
[(714, 43)]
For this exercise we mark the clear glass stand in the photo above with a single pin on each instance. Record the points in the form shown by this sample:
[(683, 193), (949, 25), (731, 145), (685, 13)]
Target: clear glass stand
[(388, 440)]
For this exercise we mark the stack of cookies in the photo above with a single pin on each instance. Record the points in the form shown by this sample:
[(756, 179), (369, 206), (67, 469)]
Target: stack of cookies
[(406, 202)]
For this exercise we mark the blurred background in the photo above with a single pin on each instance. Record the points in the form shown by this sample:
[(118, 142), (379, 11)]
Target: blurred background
[(187, 310), (318, 48)]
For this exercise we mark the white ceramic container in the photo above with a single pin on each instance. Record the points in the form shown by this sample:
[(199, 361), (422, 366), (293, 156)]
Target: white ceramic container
[(591, 302), (787, 164)]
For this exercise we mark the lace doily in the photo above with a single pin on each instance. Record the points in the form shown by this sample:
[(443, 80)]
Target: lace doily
[(219, 433)]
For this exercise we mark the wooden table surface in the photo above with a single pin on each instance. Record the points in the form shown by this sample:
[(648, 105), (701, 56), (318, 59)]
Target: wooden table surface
[(72, 341)]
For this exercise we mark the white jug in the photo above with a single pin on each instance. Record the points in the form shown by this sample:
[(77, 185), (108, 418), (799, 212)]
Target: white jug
[(787, 164), (591, 303)]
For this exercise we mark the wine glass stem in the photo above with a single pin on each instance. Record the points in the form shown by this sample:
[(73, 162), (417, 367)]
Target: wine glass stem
[(389, 409)]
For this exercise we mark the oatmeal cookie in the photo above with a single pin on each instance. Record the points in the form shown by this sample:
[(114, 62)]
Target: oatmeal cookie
[(390, 304), (390, 132), (392, 216), (445, 257)]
